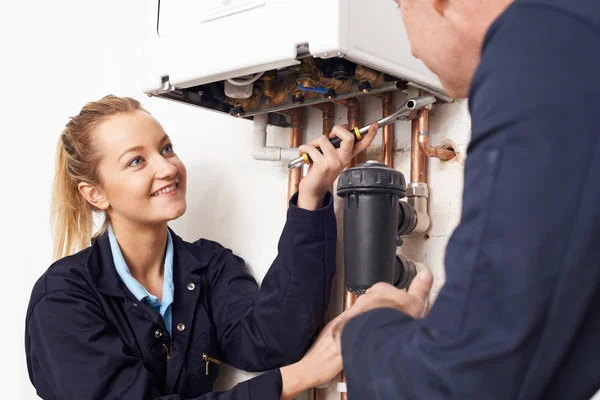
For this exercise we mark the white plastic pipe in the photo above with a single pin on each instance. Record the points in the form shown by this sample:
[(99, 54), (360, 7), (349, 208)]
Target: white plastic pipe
[(260, 150)]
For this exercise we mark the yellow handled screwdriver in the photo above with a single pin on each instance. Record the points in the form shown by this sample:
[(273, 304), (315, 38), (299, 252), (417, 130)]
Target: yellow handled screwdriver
[(403, 113)]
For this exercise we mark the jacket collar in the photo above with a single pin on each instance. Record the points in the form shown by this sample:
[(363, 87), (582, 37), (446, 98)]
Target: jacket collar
[(101, 266)]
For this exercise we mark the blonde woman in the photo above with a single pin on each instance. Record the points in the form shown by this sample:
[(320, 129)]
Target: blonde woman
[(142, 314)]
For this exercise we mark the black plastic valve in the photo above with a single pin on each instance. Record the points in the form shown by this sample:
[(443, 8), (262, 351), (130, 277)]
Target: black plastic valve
[(343, 70), (372, 194)]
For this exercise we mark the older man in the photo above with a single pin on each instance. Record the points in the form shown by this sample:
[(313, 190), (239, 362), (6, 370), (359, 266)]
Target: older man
[(519, 315)]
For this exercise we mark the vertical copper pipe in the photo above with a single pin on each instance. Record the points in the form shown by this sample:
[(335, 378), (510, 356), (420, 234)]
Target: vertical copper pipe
[(349, 300), (297, 117), (418, 159), (388, 130), (327, 110), (354, 120)]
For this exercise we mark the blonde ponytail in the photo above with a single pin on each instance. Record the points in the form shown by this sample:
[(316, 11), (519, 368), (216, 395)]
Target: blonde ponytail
[(72, 217)]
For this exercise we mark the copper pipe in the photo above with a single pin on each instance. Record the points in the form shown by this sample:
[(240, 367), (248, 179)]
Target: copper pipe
[(354, 120), (327, 110), (297, 117), (349, 300), (388, 130), (319, 394), (431, 151), (418, 159)]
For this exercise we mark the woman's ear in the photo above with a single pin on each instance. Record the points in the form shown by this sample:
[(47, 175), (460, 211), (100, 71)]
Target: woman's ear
[(94, 195)]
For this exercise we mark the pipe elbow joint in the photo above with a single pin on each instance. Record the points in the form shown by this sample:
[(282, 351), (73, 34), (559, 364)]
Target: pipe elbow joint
[(266, 153), (418, 195)]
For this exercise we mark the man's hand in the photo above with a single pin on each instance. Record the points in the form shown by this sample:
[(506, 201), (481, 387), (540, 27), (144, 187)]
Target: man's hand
[(382, 295), (412, 302)]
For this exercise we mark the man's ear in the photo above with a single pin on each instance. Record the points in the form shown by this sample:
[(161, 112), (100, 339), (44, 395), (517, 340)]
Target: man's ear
[(94, 195)]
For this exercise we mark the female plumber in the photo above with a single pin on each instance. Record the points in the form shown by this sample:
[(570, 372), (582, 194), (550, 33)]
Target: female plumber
[(143, 314)]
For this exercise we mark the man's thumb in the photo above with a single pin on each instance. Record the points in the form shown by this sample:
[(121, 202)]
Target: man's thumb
[(421, 285)]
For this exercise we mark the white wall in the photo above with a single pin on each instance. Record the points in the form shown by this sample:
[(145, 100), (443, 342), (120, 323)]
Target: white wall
[(59, 55)]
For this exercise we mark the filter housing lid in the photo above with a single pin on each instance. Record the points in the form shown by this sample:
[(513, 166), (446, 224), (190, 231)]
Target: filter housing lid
[(370, 178)]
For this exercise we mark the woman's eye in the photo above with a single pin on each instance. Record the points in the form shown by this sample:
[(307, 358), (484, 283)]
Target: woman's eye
[(135, 162), (168, 149)]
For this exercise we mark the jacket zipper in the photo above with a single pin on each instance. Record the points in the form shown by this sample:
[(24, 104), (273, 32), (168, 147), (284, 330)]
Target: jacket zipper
[(167, 348), (209, 360)]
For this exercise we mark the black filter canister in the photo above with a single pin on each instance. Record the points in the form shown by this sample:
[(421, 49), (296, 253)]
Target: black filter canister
[(371, 193)]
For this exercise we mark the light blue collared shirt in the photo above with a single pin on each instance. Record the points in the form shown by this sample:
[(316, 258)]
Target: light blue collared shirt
[(137, 289)]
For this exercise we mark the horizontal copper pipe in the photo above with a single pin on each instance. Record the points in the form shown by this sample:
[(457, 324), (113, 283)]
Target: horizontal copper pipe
[(297, 117), (423, 132)]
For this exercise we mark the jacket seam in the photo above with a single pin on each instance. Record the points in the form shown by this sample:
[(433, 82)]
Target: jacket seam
[(51, 292)]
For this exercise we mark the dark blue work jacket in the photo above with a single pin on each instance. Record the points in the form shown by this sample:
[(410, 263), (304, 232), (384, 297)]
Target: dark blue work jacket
[(519, 314), (88, 337)]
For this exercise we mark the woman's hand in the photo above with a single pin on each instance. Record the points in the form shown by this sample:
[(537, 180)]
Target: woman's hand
[(319, 365), (328, 163), (323, 361)]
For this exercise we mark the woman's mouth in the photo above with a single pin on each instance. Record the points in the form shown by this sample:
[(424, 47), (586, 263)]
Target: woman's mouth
[(166, 191)]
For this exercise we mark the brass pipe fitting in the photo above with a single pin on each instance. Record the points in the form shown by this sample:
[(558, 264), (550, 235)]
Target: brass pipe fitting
[(275, 91), (247, 104), (339, 86), (310, 75), (369, 78)]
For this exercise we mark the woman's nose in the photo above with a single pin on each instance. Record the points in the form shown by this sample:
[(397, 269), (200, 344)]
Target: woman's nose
[(166, 169)]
